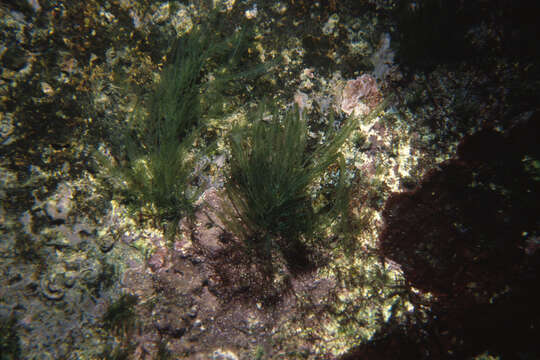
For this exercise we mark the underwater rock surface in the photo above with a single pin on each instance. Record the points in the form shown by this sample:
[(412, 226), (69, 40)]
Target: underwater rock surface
[(437, 247)]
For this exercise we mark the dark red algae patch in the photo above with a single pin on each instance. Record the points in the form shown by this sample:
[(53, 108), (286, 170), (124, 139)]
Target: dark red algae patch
[(464, 235)]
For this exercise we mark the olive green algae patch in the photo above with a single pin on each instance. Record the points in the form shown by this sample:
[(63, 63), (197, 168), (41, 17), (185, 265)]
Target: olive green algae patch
[(272, 172), (166, 140)]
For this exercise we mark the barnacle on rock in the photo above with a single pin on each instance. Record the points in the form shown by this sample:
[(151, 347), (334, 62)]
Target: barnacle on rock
[(51, 287)]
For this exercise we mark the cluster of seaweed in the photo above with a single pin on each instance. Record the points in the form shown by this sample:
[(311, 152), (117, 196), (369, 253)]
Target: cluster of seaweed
[(270, 187), (120, 316), (120, 320), (161, 156), (273, 168)]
